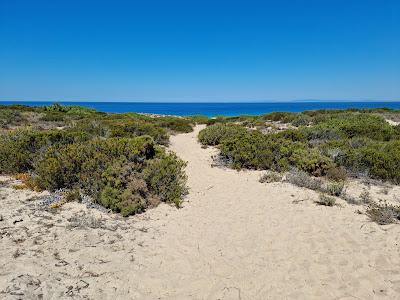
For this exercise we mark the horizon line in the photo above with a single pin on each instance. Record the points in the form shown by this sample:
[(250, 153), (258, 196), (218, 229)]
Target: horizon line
[(199, 101)]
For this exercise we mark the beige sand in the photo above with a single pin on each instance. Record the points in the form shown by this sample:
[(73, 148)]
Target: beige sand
[(235, 238)]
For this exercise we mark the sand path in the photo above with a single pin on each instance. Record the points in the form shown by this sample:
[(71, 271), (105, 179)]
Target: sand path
[(234, 238), (239, 239)]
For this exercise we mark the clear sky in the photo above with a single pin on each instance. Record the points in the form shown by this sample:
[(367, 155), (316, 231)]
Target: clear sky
[(199, 50)]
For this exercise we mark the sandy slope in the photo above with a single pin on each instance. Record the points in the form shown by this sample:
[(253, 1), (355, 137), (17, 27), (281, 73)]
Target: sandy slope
[(235, 238)]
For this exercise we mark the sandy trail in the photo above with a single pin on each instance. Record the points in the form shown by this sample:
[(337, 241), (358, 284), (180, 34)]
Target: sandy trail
[(234, 238)]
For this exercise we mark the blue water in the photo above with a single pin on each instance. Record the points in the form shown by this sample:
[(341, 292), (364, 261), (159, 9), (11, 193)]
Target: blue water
[(215, 109)]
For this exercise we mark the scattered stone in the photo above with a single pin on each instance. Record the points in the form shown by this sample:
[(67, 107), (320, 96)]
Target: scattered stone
[(17, 221)]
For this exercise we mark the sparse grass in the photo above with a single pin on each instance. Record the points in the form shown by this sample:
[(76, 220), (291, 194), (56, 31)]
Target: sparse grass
[(20, 186), (365, 197), (84, 220), (348, 198), (326, 200), (335, 188), (302, 179), (383, 213), (270, 176)]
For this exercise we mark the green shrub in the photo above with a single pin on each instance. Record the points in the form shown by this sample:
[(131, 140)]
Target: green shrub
[(9, 117), (311, 161), (212, 135), (361, 125), (165, 177), (326, 200), (124, 189), (381, 160), (199, 119), (250, 150), (285, 117), (138, 128), (176, 124), (20, 149), (110, 157), (53, 117), (335, 188), (82, 164), (301, 120)]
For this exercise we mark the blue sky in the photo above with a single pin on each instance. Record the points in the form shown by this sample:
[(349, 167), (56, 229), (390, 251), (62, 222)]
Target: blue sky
[(199, 50)]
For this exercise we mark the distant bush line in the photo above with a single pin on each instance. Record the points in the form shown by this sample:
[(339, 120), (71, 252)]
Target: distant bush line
[(356, 142)]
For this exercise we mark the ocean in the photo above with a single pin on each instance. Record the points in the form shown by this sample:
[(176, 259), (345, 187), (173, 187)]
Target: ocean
[(214, 109)]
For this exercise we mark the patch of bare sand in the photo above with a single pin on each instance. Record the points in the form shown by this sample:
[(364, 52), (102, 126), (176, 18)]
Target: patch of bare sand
[(235, 238)]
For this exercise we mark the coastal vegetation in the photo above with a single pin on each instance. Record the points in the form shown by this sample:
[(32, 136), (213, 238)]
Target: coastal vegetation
[(119, 160), (317, 150), (332, 143)]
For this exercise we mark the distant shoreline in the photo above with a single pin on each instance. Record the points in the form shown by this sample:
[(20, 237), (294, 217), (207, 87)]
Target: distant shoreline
[(215, 109)]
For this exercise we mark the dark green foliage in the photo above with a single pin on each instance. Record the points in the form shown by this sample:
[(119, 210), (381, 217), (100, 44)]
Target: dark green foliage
[(212, 135), (334, 143), (199, 119), (126, 175), (311, 161), (165, 178), (123, 189), (335, 188), (254, 150), (82, 164), (113, 158), (20, 149), (138, 128), (175, 124), (53, 117), (381, 160), (360, 125)]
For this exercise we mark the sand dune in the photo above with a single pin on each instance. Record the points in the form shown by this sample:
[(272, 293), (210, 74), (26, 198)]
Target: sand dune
[(235, 238)]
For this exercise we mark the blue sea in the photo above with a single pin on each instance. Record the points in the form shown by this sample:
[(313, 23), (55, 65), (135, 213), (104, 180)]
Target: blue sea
[(215, 109)]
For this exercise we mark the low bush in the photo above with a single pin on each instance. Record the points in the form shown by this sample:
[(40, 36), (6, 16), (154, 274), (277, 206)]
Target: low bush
[(165, 177), (337, 174), (138, 128), (199, 119), (360, 125), (126, 175), (383, 213), (213, 135), (302, 179), (20, 149), (335, 188), (270, 176), (112, 158), (9, 117), (285, 117), (83, 163), (311, 161), (348, 198), (326, 200)]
